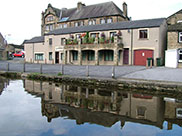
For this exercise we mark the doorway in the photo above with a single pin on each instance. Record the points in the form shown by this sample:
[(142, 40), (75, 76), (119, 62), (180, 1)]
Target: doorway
[(57, 57)]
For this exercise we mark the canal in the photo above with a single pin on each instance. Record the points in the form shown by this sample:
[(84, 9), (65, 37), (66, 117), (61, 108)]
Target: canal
[(34, 108)]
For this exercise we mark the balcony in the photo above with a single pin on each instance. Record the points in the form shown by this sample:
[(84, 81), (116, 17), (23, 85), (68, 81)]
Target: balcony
[(93, 43)]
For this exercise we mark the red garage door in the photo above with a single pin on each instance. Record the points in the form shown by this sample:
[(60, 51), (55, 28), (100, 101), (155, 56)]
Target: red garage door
[(140, 56)]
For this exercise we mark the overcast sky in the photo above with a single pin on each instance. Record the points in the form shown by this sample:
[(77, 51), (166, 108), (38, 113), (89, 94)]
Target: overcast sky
[(21, 19)]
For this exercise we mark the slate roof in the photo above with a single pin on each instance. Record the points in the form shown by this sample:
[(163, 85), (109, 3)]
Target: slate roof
[(97, 10), (175, 27), (56, 10), (112, 26), (91, 11), (37, 39)]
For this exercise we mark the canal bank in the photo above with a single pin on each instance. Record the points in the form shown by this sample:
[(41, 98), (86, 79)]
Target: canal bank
[(154, 86)]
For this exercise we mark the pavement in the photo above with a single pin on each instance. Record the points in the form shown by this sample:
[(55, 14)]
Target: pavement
[(121, 72)]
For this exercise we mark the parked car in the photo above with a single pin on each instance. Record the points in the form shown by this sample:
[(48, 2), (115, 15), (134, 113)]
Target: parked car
[(19, 54)]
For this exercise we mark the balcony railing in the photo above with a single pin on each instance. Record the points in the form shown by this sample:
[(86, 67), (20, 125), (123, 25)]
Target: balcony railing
[(116, 41), (96, 40)]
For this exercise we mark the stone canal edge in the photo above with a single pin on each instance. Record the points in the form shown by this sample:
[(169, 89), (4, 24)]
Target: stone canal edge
[(109, 83)]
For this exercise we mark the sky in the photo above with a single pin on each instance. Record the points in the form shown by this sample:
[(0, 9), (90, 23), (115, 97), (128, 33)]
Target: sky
[(21, 19)]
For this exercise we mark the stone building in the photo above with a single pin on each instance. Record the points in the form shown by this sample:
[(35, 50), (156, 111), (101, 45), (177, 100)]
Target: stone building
[(119, 43), (82, 15), (3, 44), (174, 40)]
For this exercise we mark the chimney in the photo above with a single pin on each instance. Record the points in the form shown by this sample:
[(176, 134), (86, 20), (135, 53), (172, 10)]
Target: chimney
[(80, 5), (125, 11)]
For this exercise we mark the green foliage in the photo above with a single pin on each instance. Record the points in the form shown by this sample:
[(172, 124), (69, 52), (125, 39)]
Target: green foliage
[(34, 75), (112, 39), (60, 74), (101, 40)]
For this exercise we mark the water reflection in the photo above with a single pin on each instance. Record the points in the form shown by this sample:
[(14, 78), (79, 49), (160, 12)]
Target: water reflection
[(3, 84), (104, 107)]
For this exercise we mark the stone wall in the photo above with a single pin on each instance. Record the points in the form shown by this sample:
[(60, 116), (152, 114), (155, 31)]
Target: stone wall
[(173, 40)]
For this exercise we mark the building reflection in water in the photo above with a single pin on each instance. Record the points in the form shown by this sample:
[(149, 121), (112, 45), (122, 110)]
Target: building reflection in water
[(103, 107), (3, 84)]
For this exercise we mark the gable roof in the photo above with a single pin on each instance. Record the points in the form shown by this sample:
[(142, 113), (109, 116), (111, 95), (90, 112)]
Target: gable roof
[(180, 11), (90, 11), (112, 26), (56, 10), (37, 39), (97, 10)]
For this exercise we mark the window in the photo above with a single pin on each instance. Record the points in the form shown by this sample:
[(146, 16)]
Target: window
[(102, 21), (89, 22), (108, 55), (109, 20), (94, 22), (180, 37), (65, 26), (93, 35), (141, 111), (76, 24), (91, 55), (60, 26), (39, 56), (50, 18), (180, 55), (51, 27), (75, 55), (112, 34), (50, 41), (179, 21), (62, 41), (143, 34), (47, 27), (62, 56), (50, 55)]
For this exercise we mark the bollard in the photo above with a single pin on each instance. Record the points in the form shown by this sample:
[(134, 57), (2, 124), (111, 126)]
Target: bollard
[(113, 72), (87, 70), (62, 69), (24, 67), (7, 66), (40, 68)]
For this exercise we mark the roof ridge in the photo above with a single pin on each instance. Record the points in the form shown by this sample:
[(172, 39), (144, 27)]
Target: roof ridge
[(175, 13)]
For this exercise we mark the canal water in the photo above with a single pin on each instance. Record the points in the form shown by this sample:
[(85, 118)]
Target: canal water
[(32, 108)]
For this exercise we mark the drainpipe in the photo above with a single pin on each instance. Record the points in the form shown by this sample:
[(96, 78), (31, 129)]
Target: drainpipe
[(131, 46), (33, 53)]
